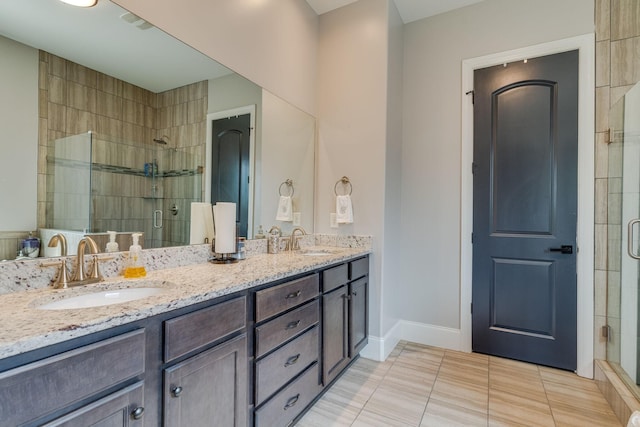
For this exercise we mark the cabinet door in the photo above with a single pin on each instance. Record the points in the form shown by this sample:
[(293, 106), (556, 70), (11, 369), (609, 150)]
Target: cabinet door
[(209, 389), (123, 408), (335, 351), (358, 324)]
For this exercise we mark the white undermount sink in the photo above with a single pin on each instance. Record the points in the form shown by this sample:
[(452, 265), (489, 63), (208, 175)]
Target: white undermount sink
[(315, 252), (102, 298)]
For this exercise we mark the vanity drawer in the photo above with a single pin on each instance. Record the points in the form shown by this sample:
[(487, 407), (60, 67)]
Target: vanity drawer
[(273, 333), (194, 330), (285, 406), (334, 277), (358, 268), (43, 387), (278, 368), (277, 299)]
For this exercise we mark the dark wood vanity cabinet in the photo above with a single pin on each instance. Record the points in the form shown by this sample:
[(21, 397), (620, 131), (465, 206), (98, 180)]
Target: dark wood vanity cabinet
[(210, 387), (344, 315), (89, 385), (259, 357), (287, 350)]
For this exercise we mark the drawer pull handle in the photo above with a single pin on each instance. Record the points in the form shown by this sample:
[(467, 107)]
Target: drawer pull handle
[(292, 360), (293, 295), (176, 391), (292, 402), (136, 414), (292, 325)]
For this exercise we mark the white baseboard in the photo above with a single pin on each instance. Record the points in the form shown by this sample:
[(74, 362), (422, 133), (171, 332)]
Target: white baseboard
[(379, 348)]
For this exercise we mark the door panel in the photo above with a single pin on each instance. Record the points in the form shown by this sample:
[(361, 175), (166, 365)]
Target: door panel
[(525, 206), (231, 166), (523, 165)]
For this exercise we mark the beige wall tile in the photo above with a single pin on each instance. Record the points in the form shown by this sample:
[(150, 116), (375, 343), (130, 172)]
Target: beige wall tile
[(79, 121), (625, 19), (603, 26), (601, 155), (109, 84), (109, 105), (81, 97), (57, 66), (603, 67), (82, 75), (57, 116), (600, 247), (601, 199), (602, 109), (625, 55)]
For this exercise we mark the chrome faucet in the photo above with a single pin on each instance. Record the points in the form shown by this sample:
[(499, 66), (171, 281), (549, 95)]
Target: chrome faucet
[(59, 238), (80, 274), (294, 242)]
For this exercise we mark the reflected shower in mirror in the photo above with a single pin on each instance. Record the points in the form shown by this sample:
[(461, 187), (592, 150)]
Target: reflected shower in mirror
[(131, 85)]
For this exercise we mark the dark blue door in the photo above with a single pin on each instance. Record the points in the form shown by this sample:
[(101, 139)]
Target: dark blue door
[(525, 210), (230, 166)]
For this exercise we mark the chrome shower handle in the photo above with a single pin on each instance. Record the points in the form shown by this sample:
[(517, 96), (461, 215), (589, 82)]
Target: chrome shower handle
[(157, 218), (630, 238)]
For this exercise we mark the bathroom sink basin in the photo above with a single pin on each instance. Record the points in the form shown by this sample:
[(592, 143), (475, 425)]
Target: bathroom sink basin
[(102, 298), (315, 252)]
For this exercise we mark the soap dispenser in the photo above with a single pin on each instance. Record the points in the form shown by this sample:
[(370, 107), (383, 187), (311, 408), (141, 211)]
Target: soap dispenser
[(134, 266), (112, 246)]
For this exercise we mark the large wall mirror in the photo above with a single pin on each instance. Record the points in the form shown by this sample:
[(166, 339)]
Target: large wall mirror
[(111, 124)]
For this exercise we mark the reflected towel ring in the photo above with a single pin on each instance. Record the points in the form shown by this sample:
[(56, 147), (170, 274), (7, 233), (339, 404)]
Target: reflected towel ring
[(344, 181), (288, 183)]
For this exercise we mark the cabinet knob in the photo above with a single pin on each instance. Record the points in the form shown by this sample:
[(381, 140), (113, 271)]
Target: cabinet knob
[(176, 391), (295, 294), (136, 414), (292, 402), (292, 360), (292, 325)]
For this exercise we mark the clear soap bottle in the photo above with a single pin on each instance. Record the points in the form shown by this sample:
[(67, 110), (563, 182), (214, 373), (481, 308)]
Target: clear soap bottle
[(134, 267)]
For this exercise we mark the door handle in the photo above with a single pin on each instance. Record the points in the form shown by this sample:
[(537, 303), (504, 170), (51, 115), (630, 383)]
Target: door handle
[(157, 218), (565, 249), (630, 239)]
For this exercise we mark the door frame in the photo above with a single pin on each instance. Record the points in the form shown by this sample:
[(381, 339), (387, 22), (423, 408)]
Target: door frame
[(585, 44), (234, 112)]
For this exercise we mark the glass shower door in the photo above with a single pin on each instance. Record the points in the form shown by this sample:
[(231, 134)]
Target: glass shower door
[(624, 234)]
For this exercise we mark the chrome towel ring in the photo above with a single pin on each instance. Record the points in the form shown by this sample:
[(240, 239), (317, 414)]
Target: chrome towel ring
[(345, 183), (289, 184)]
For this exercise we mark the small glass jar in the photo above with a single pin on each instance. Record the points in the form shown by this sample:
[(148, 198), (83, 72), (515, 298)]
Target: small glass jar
[(241, 251)]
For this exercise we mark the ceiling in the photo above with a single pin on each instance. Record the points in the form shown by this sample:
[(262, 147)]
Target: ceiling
[(410, 10), (102, 38)]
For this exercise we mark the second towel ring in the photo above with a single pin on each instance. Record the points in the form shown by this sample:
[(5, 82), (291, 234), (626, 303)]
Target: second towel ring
[(344, 181), (288, 183)]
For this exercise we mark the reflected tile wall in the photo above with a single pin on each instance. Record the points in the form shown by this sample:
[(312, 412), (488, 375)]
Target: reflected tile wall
[(75, 99)]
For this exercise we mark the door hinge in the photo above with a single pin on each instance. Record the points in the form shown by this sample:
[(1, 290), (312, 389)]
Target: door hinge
[(471, 237), (474, 167), (471, 308), (606, 332), (473, 96)]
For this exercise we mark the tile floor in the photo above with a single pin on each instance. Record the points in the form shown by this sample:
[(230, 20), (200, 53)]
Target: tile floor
[(426, 386)]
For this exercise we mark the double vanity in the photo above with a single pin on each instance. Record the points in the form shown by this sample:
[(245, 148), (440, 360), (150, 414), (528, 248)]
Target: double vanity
[(250, 343)]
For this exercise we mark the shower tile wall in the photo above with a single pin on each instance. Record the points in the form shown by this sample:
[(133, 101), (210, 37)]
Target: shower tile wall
[(617, 70), (125, 119), (617, 24)]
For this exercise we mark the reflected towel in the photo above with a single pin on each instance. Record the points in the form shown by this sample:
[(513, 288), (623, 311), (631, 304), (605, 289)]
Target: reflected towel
[(201, 225), (344, 210), (285, 209)]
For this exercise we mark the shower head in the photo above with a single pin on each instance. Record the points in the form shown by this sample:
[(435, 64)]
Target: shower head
[(160, 141)]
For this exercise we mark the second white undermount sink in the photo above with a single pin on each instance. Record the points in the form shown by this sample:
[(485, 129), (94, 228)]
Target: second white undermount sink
[(101, 298), (315, 252)]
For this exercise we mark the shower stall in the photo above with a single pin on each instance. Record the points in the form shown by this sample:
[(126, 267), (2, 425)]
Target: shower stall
[(623, 252), (97, 183)]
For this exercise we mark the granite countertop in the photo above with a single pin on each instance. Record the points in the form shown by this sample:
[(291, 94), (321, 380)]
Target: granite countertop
[(26, 328)]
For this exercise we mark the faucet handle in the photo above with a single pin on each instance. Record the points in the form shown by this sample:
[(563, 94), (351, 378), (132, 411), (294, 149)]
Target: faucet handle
[(94, 273), (62, 280)]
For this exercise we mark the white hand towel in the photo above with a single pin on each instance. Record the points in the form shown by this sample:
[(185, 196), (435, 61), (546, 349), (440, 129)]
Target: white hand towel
[(344, 210), (201, 225), (285, 209)]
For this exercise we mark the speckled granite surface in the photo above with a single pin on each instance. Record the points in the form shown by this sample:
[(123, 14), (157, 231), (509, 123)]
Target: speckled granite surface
[(184, 281)]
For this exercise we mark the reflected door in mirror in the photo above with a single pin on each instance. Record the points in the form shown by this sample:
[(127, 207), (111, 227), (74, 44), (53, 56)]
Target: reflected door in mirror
[(231, 165)]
